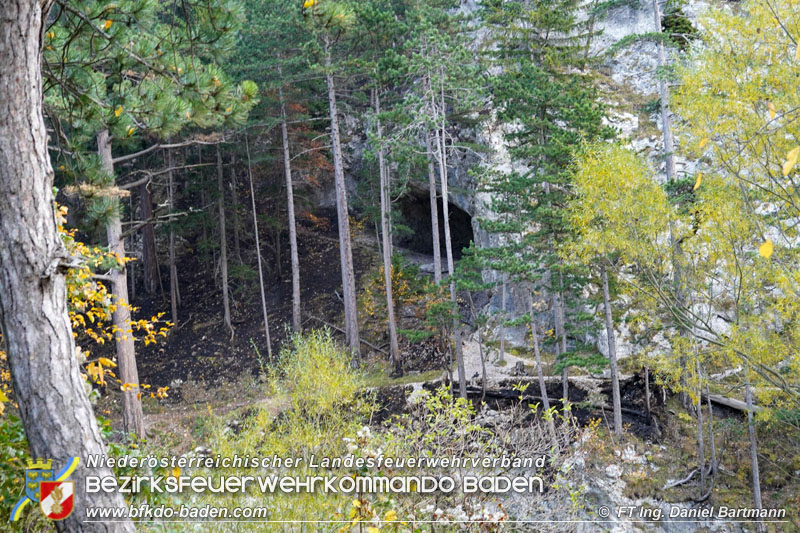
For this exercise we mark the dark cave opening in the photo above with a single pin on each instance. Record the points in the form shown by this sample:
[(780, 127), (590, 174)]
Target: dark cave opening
[(415, 209)]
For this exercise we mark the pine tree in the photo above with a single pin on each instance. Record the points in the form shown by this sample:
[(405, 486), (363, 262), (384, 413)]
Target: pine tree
[(329, 21), (58, 419), (550, 106), (124, 69)]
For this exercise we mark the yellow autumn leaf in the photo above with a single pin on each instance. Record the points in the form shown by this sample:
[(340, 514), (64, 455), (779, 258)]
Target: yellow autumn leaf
[(797, 52), (771, 108), (108, 24), (390, 515), (309, 3), (703, 143), (131, 130), (698, 182), (791, 161), (3, 397), (105, 361), (766, 249), (176, 472), (373, 530), (356, 503), (118, 111)]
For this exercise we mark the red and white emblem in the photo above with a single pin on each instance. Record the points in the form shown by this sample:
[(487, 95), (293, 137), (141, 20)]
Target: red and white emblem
[(57, 499)]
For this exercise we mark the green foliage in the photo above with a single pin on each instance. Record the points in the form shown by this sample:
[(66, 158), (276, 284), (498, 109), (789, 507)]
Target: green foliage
[(677, 25), (13, 459), (551, 106), (320, 402), (317, 376)]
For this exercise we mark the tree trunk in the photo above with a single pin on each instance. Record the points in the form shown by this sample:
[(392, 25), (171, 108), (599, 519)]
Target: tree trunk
[(297, 320), (539, 370), (437, 250), (132, 419), (480, 345), (258, 250), (663, 93), (174, 290), (345, 246), (647, 388), (237, 247), (441, 139), (223, 245), (701, 447), (58, 419), (559, 327), (612, 355), (394, 348), (711, 434), (751, 430), (132, 267), (669, 161), (503, 321), (149, 257)]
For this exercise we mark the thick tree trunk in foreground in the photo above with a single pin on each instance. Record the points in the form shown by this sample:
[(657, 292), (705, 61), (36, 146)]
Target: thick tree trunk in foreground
[(612, 356), (437, 250), (223, 245), (345, 246), (58, 419), (258, 250), (132, 419), (297, 321), (394, 348)]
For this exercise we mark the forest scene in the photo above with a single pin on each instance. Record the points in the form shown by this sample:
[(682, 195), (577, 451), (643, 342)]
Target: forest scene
[(400, 265)]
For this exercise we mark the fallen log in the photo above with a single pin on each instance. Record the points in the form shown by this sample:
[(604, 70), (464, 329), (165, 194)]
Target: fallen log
[(729, 402)]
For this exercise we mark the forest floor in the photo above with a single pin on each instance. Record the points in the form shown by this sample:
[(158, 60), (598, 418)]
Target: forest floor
[(212, 378)]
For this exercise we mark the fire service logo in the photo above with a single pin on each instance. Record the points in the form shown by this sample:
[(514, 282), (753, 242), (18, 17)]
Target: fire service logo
[(51, 489)]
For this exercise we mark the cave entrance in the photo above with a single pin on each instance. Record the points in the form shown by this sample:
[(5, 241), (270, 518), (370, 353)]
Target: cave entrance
[(417, 235)]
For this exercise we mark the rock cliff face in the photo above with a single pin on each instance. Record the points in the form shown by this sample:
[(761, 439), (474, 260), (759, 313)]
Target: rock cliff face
[(627, 76)]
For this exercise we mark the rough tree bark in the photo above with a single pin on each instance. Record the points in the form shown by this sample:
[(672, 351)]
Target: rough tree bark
[(345, 245), (440, 141), (58, 419), (386, 232), (223, 245), (132, 419), (612, 355), (297, 319), (258, 250)]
